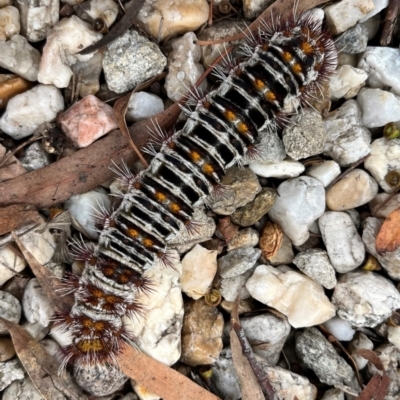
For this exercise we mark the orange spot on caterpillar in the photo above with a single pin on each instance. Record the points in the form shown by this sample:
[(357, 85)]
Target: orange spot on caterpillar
[(195, 156), (259, 84), (306, 48), (242, 127), (229, 115), (270, 96), (147, 243), (161, 197), (296, 68), (208, 168), (132, 233), (174, 207), (287, 56), (90, 345)]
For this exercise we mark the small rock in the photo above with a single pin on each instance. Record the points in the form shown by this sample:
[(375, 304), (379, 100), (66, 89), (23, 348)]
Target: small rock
[(285, 253), (384, 211), (270, 149), (174, 17), (38, 17), (9, 22), (347, 59), (91, 10), (143, 105), (131, 49), (266, 334), (361, 341), (10, 371), (354, 40), (346, 82), (10, 309), (305, 136), (199, 267), (244, 238), (343, 243), (373, 24), (347, 141), (7, 350), (201, 334), (333, 394), (36, 305), (10, 264), (99, 380), (316, 353), (89, 73), (64, 41), (159, 333), (381, 65), (283, 170), (141, 393), (18, 56), (394, 335), (315, 264), (242, 187), (245, 306), (291, 293), (226, 229), (365, 299), (253, 8), (385, 157), (27, 111), (184, 68), (36, 330), (340, 329), (238, 261), (300, 202), (82, 206), (390, 261), (231, 288), (325, 172), (353, 190), (35, 157), (256, 209), (88, 120), (379, 6), (346, 13)]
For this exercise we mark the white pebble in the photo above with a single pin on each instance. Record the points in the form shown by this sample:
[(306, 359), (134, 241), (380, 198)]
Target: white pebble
[(293, 294), (361, 341), (64, 41), (9, 22), (379, 6), (300, 202), (107, 10), (346, 82), (10, 309), (343, 243), (82, 208), (27, 111), (10, 264), (340, 328), (283, 170), (143, 105), (384, 211), (325, 172)]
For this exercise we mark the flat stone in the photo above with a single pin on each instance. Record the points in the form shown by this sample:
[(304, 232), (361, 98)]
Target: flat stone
[(325, 172), (244, 238), (285, 169), (238, 261), (354, 40), (346, 82), (10, 264)]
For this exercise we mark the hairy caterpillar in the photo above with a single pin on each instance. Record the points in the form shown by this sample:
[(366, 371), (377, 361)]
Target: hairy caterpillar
[(286, 63)]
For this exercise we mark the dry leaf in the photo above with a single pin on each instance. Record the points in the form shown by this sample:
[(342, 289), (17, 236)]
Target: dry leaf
[(270, 239), (17, 216), (159, 379), (388, 238), (41, 367)]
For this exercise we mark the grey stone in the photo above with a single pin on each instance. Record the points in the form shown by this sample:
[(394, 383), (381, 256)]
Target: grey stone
[(238, 261), (10, 309), (35, 157), (10, 371), (354, 40)]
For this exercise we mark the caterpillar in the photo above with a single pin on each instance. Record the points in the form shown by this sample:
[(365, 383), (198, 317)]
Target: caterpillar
[(285, 64)]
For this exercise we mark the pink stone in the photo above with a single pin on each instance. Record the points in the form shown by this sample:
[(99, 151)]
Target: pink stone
[(87, 120)]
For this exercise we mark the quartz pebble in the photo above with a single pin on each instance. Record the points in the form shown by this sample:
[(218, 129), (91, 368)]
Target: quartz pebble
[(361, 341), (293, 294), (184, 68), (36, 330), (201, 334), (353, 190), (305, 136), (300, 202), (18, 56), (35, 157), (38, 17), (379, 6), (365, 299), (253, 8), (346, 13), (385, 157), (316, 353), (285, 169), (379, 107), (346, 82), (315, 264), (199, 267), (340, 329), (381, 64), (238, 261), (384, 211), (82, 206), (10, 264), (333, 394), (244, 238), (87, 120), (64, 41), (131, 49), (347, 141), (174, 17), (256, 209), (9, 22), (159, 333), (354, 40), (36, 305), (325, 172), (143, 105), (10, 309), (394, 335), (266, 334), (343, 243), (89, 72), (106, 10), (27, 111), (241, 187), (10, 371)]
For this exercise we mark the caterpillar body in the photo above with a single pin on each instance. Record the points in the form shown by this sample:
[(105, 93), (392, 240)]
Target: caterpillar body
[(286, 64)]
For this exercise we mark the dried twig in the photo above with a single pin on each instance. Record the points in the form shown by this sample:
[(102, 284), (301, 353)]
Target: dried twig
[(392, 12)]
